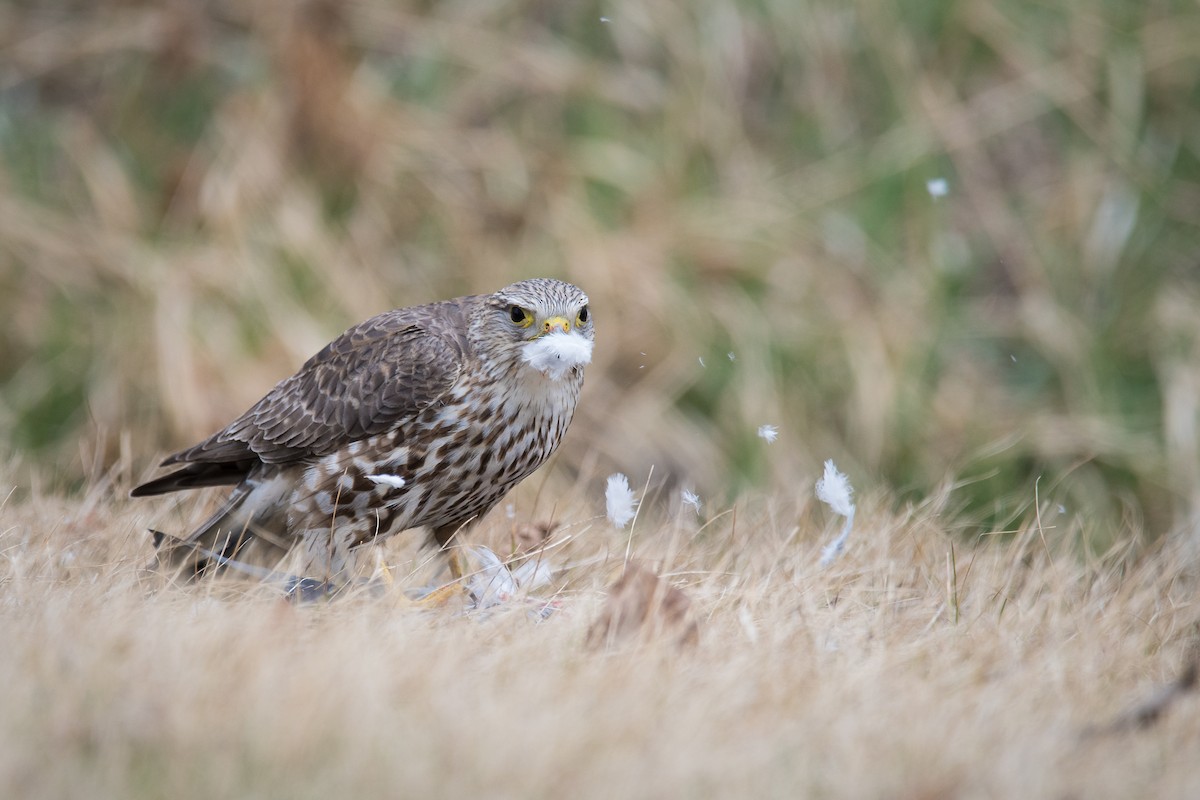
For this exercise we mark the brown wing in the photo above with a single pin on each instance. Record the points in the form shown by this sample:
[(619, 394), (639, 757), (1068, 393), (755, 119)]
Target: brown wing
[(371, 379)]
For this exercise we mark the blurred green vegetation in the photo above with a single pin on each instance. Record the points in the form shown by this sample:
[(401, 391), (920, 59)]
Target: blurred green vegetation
[(194, 196)]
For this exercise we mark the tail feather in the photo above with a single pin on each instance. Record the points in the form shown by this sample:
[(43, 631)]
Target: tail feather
[(214, 558), (195, 476), (247, 527), (296, 587)]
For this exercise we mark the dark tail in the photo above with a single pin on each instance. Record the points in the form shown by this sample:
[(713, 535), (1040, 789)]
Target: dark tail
[(195, 476)]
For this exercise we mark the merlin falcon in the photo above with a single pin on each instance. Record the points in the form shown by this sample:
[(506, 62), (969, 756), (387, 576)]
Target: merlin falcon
[(419, 417)]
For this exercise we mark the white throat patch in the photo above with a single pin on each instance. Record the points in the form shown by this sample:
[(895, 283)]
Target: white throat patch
[(555, 354)]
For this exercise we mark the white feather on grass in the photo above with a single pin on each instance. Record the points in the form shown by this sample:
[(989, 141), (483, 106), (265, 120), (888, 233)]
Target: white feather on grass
[(494, 583), (619, 502), (555, 354), (834, 490), (690, 499)]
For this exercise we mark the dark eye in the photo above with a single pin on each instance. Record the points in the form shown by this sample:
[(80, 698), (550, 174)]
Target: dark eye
[(583, 315), (520, 316)]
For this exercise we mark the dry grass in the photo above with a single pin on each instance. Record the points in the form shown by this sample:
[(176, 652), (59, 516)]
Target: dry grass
[(915, 666)]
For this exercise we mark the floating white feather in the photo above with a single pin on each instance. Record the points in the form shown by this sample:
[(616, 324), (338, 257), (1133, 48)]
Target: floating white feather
[(555, 354), (618, 500), (768, 433), (834, 490)]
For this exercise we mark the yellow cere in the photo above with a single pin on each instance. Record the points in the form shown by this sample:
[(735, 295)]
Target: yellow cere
[(556, 322)]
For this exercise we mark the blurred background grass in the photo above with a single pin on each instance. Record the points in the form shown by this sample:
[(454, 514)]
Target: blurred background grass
[(195, 196)]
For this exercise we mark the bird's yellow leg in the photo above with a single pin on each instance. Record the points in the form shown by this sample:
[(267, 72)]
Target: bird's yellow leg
[(454, 561), (382, 572), (451, 589), (441, 595)]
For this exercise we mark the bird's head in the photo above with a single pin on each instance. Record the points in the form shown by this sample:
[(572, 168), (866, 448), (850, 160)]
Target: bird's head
[(542, 324)]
